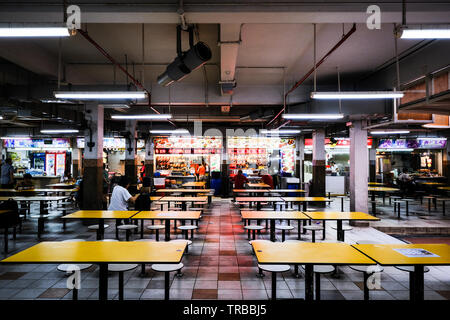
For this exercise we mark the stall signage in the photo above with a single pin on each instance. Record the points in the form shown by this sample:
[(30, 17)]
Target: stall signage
[(340, 143), (112, 143), (419, 143), (36, 143)]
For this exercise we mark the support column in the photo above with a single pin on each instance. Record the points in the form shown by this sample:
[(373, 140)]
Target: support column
[(299, 158), (226, 184), (149, 154), (76, 159), (359, 157), (130, 152), (446, 162), (373, 162), (93, 158), (318, 163)]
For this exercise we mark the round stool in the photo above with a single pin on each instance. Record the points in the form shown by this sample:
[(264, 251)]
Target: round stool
[(167, 268), (156, 227), (393, 198), (96, 227), (143, 264), (274, 268), (283, 230), (185, 229), (313, 228), (430, 198), (318, 270), (121, 268), (253, 229), (127, 228), (344, 229), (367, 271), (188, 243)]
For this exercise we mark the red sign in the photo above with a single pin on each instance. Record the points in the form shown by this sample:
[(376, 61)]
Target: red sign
[(344, 142)]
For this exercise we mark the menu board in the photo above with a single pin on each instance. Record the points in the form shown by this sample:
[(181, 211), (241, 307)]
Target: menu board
[(419, 143), (36, 143), (188, 142), (338, 143), (112, 143)]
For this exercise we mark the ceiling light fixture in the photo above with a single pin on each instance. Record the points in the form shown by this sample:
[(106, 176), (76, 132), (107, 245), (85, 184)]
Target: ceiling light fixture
[(177, 131), (312, 116), (390, 132), (343, 95), (100, 95), (141, 116), (287, 131), (423, 32), (34, 32), (53, 131)]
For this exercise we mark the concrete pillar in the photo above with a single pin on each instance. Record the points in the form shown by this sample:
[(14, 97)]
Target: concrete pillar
[(446, 161), (226, 184), (373, 162), (149, 154), (359, 157), (130, 152), (299, 158), (318, 162), (93, 158)]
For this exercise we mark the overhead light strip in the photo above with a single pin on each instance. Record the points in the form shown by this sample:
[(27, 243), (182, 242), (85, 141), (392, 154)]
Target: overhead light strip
[(100, 95), (34, 32), (141, 116), (178, 131), (343, 95), (52, 131), (390, 132), (312, 116)]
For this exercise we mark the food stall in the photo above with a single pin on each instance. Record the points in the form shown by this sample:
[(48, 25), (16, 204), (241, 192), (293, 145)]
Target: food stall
[(114, 153), (45, 159), (421, 156), (177, 157), (252, 154)]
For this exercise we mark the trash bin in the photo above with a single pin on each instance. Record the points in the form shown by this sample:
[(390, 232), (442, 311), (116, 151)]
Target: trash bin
[(216, 182)]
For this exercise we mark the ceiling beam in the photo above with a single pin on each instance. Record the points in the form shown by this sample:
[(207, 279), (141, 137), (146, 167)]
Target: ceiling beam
[(230, 39)]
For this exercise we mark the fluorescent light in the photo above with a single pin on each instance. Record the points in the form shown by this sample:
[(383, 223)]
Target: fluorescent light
[(59, 130), (116, 105), (389, 132), (357, 95), (287, 131), (312, 116), (177, 131), (141, 116), (16, 138), (436, 126), (1, 117), (424, 33), (34, 32), (56, 101), (100, 95)]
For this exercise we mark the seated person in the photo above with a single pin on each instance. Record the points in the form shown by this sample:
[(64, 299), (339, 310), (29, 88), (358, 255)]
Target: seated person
[(26, 183), (267, 178), (240, 180), (67, 177), (120, 197)]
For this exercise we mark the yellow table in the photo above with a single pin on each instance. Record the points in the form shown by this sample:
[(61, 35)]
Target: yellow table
[(62, 184), (309, 254), (198, 184), (45, 191), (275, 215), (383, 190), (167, 216), (101, 215), (339, 217), (376, 184), (305, 200), (433, 183), (102, 253), (444, 188), (258, 200), (184, 200), (187, 191), (388, 255), (258, 185)]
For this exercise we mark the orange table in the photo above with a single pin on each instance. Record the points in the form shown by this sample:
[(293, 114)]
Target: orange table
[(305, 200)]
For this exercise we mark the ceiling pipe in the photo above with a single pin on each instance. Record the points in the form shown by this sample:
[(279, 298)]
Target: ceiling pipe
[(114, 62), (298, 83)]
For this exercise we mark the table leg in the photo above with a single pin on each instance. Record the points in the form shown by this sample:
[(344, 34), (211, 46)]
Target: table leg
[(142, 229), (340, 236), (121, 285), (272, 230), (299, 232), (101, 229), (183, 205), (324, 229), (274, 286), (166, 285), (309, 286), (74, 294), (366, 288), (317, 275), (258, 206), (418, 279), (103, 282), (5, 241), (342, 204), (305, 206), (167, 230)]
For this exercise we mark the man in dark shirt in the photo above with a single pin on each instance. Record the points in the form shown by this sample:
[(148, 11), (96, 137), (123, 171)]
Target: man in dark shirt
[(240, 180)]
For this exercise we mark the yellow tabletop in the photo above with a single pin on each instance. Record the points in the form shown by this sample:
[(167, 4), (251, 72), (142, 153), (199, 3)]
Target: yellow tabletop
[(258, 185), (385, 189), (184, 199), (286, 190), (337, 215), (273, 215), (444, 188), (171, 215), (35, 198), (194, 184), (100, 214), (306, 199), (184, 190), (4, 211), (258, 199), (62, 184), (376, 184), (308, 253), (99, 251), (38, 190), (386, 254), (433, 183), (250, 190), (155, 198)]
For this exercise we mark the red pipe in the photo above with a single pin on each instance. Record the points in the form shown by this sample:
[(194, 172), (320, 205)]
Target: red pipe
[(298, 83), (113, 61)]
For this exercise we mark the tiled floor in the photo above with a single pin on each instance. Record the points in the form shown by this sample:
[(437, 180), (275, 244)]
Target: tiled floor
[(220, 265)]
